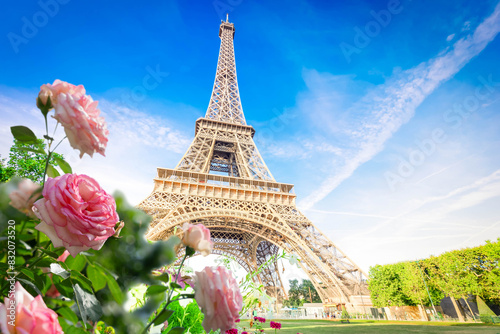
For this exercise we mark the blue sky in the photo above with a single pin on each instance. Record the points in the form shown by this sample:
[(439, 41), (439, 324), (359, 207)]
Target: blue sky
[(384, 114)]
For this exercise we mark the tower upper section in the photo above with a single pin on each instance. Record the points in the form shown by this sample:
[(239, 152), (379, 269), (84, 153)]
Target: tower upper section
[(225, 102)]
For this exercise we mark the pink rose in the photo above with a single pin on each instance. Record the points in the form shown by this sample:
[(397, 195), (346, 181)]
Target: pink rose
[(22, 199), (29, 315), (78, 114), (76, 213), (59, 87), (198, 238), (219, 296)]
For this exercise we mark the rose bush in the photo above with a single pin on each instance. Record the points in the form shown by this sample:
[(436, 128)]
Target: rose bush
[(198, 238), (219, 296), (31, 316), (76, 213)]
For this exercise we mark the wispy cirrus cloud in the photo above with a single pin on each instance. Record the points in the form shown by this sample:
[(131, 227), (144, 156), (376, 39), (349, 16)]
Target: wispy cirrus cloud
[(385, 108), (457, 199)]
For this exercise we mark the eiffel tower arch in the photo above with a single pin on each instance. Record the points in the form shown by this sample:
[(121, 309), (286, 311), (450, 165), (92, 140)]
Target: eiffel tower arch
[(223, 182)]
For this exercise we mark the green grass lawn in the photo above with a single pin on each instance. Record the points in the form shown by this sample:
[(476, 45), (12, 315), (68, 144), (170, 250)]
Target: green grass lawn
[(369, 326)]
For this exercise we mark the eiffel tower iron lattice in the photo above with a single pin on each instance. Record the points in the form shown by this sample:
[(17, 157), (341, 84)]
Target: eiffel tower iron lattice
[(250, 215)]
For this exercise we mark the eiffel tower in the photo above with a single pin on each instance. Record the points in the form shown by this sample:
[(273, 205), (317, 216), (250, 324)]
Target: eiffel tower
[(223, 182)]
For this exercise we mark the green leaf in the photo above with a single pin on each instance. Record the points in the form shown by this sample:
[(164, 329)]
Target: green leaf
[(65, 167), (97, 278), (155, 289), (176, 330), (76, 263), (47, 282), (68, 329), (49, 253), (19, 261), (63, 286), (84, 281), (51, 171), (23, 134), (31, 285), (45, 262), (56, 268), (88, 305), (163, 316), (174, 285), (113, 286), (28, 273), (74, 330), (163, 277), (68, 314), (34, 150), (190, 251)]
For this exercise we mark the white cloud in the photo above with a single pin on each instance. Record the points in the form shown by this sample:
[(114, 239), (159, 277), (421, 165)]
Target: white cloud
[(384, 109), (460, 198), (138, 144), (466, 26), (139, 128)]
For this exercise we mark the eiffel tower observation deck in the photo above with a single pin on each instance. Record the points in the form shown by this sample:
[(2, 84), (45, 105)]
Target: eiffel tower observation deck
[(223, 182)]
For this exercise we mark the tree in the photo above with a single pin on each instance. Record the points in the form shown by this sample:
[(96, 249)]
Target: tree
[(28, 160), (308, 292), (489, 278), (458, 274), (300, 294), (385, 285), (294, 295), (6, 172)]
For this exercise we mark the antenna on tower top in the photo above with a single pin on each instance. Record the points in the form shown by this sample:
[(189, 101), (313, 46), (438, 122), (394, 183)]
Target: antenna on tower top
[(227, 17)]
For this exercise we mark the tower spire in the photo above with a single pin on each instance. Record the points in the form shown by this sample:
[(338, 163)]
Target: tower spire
[(225, 102)]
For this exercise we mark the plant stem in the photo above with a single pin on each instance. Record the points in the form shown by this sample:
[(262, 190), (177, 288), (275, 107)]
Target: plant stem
[(55, 128), (168, 299), (46, 124), (22, 227), (179, 271), (59, 143), (46, 167)]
